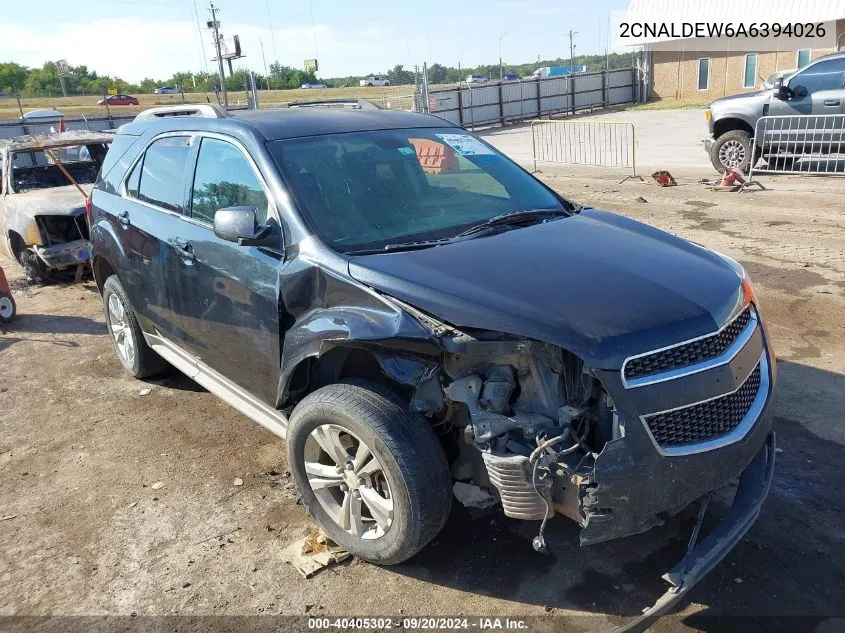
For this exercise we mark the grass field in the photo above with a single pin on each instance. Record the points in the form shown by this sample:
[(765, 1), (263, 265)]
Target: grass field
[(394, 97)]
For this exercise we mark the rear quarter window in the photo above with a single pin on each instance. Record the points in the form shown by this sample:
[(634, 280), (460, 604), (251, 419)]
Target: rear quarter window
[(117, 160), (162, 172)]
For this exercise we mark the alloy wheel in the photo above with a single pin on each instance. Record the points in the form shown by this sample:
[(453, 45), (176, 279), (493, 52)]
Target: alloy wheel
[(348, 481), (732, 153), (124, 338)]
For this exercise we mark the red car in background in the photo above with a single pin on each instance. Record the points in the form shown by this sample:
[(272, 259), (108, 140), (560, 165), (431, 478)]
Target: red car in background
[(115, 100)]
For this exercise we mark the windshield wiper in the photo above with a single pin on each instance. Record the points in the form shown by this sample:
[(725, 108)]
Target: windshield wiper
[(505, 219), (513, 218), (401, 246)]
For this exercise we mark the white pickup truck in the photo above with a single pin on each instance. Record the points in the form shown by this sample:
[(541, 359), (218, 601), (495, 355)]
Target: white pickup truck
[(375, 80)]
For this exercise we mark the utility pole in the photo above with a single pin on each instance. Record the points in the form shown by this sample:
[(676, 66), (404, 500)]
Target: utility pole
[(264, 60), (215, 26), (501, 36), (572, 35)]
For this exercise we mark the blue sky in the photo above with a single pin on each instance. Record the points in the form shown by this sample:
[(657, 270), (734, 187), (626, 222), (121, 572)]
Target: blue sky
[(139, 38)]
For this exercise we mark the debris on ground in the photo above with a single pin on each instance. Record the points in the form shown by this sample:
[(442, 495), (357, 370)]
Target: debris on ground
[(473, 497), (738, 581), (8, 517), (157, 485), (145, 392), (641, 199), (314, 553), (238, 481), (664, 178)]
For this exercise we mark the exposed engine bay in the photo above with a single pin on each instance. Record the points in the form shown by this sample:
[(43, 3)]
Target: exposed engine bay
[(531, 419)]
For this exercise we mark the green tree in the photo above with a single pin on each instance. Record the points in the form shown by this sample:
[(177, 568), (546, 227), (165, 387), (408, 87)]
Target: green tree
[(399, 76), (12, 76)]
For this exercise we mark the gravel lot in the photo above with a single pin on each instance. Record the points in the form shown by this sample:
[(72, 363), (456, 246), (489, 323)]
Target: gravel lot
[(80, 450)]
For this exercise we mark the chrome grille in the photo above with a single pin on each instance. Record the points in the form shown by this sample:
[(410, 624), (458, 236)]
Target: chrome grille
[(705, 421), (688, 353)]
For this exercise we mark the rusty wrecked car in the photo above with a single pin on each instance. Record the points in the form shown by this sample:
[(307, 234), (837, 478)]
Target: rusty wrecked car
[(46, 180), (409, 308)]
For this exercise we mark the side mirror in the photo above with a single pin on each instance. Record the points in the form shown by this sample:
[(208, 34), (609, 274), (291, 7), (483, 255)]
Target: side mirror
[(239, 225), (780, 89)]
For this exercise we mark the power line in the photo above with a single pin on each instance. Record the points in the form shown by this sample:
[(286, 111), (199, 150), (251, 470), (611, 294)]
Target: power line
[(199, 33), (272, 36), (314, 29)]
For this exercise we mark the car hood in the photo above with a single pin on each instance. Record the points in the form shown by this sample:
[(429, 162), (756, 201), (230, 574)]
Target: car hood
[(53, 201), (762, 96), (600, 285)]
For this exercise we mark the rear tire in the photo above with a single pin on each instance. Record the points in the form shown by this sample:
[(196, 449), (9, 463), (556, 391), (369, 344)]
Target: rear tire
[(137, 358), (399, 484), (732, 149)]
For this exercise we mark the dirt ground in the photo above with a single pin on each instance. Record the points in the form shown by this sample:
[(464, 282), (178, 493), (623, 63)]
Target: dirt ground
[(83, 531)]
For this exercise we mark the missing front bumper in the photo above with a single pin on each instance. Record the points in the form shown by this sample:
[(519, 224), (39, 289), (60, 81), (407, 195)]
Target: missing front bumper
[(67, 254), (753, 487)]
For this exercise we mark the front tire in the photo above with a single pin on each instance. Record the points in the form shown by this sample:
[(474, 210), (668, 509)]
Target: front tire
[(372, 474), (732, 149), (137, 358)]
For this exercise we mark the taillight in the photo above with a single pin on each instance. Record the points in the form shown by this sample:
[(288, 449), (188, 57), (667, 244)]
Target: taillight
[(88, 208)]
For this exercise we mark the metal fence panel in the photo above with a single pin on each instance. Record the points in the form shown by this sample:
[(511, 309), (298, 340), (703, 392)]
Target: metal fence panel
[(522, 100), (799, 144), (588, 90), (9, 129), (602, 143), (555, 87)]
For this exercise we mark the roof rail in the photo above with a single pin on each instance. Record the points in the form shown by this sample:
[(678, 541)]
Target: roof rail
[(204, 110), (353, 104)]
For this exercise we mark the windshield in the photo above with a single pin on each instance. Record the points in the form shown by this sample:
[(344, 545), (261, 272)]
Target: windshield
[(37, 170), (367, 190)]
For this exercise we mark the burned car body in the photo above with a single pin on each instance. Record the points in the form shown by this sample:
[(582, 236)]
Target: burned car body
[(42, 198), (569, 360)]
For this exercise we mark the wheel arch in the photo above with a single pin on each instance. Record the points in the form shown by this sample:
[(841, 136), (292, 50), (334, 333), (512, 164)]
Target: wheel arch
[(103, 269), (730, 124), (107, 253), (16, 244), (375, 362)]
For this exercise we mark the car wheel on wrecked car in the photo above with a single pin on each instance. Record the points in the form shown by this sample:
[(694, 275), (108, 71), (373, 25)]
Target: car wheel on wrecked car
[(372, 474), (132, 350)]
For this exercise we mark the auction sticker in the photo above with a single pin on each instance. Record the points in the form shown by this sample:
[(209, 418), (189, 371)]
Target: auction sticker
[(465, 145)]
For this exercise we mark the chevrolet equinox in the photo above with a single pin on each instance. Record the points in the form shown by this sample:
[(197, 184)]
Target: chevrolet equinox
[(408, 307)]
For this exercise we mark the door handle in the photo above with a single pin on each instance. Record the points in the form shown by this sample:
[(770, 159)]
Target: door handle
[(123, 218), (832, 102), (186, 251)]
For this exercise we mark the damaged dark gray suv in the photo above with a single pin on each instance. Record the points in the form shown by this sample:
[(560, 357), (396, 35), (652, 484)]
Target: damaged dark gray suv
[(408, 307)]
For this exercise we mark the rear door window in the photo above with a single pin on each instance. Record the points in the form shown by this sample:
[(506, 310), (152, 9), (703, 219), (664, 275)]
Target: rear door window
[(161, 172), (224, 178)]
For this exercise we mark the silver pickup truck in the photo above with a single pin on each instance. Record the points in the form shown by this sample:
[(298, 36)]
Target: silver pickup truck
[(816, 89)]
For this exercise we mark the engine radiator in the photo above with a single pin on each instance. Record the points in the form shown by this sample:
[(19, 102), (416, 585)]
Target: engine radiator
[(511, 474)]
